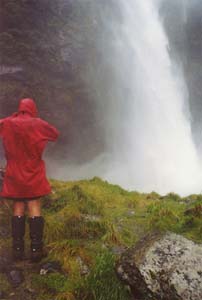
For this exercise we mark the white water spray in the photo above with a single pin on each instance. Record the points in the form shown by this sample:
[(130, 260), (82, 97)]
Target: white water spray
[(142, 105), (154, 149)]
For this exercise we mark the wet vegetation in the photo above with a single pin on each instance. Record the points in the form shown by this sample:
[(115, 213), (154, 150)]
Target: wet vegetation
[(88, 225)]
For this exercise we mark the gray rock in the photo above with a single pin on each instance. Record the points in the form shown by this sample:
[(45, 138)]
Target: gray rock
[(9, 69), (50, 267), (15, 276), (130, 213), (4, 263), (91, 218), (118, 250), (84, 269), (163, 267), (4, 232)]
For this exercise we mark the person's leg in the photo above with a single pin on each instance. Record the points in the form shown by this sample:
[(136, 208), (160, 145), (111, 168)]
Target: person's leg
[(18, 208), (18, 229), (36, 225), (34, 208)]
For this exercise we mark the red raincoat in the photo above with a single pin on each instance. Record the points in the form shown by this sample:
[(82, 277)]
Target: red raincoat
[(24, 139)]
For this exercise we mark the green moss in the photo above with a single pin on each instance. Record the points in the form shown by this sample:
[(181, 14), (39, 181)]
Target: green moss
[(4, 285), (54, 282)]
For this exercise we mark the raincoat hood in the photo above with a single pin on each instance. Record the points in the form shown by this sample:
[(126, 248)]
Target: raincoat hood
[(29, 106)]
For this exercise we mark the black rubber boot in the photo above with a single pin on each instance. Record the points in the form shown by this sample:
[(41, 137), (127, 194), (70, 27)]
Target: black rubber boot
[(36, 235), (18, 232)]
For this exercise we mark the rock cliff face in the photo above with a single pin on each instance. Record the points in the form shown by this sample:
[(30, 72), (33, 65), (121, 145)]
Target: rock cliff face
[(163, 267), (44, 48)]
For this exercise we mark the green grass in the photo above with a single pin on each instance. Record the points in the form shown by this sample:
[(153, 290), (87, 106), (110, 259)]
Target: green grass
[(102, 283), (87, 218)]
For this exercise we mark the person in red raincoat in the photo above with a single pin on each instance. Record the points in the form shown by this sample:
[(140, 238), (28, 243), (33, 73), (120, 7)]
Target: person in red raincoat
[(24, 137)]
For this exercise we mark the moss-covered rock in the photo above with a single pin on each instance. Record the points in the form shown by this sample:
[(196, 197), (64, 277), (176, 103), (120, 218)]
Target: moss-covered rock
[(163, 267)]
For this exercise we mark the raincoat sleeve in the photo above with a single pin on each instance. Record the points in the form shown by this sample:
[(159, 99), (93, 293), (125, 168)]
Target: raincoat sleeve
[(49, 132)]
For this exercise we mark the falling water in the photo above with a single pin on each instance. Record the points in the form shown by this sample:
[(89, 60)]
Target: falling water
[(142, 106), (145, 108), (154, 149)]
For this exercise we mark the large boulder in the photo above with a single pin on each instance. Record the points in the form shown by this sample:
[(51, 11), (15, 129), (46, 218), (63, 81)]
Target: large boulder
[(166, 267)]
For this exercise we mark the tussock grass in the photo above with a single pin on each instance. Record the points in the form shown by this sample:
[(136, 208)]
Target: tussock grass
[(102, 283), (65, 296), (86, 219), (4, 285), (69, 251)]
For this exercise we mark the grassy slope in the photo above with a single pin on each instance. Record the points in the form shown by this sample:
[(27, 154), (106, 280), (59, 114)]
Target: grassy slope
[(87, 221)]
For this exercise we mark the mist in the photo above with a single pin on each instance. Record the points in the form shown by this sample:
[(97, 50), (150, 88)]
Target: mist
[(142, 102), (122, 84)]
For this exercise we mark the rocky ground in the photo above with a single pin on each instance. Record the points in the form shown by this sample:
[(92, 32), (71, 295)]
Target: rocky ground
[(90, 226)]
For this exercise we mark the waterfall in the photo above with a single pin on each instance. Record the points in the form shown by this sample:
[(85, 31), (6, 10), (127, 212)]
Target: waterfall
[(145, 107), (141, 105)]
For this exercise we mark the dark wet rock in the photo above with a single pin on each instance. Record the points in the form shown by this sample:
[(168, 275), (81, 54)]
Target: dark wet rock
[(195, 211), (29, 290), (15, 276), (187, 201), (22, 294), (166, 267), (118, 250), (4, 263), (2, 295), (50, 267), (4, 232)]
